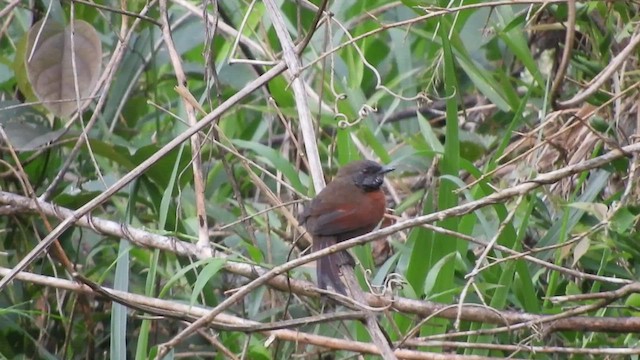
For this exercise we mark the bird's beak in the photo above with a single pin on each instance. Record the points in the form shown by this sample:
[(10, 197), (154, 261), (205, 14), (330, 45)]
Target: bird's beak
[(386, 169)]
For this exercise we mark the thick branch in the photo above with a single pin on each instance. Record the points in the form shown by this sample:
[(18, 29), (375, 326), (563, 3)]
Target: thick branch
[(16, 203), (189, 312)]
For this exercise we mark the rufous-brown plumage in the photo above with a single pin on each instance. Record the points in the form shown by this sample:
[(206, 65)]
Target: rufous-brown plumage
[(349, 206)]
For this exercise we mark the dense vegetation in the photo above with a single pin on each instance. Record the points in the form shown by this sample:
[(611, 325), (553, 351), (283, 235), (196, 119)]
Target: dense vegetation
[(169, 186)]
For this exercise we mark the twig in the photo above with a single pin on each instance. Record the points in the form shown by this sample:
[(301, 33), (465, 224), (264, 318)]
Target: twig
[(472, 274), (566, 53), (213, 340), (603, 76), (8, 8), (189, 249), (196, 145), (117, 11)]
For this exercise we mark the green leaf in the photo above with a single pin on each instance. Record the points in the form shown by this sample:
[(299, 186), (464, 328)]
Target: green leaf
[(210, 270), (633, 301), (623, 219), (432, 276), (428, 134), (118, 344), (479, 76), (517, 42), (179, 275), (275, 159)]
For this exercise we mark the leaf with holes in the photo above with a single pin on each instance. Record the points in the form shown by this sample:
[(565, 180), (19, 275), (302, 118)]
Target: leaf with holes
[(52, 68)]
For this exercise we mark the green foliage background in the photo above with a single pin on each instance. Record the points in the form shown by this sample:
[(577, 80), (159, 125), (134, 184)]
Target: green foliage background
[(456, 96)]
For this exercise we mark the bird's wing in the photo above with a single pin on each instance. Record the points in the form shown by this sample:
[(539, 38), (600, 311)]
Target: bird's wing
[(345, 212), (342, 220), (333, 222)]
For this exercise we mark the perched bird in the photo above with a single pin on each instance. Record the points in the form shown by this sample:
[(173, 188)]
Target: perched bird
[(349, 206)]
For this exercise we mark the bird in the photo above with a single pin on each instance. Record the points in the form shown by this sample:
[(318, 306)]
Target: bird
[(352, 204)]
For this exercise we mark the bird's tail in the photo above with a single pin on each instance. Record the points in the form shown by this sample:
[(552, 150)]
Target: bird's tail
[(328, 267)]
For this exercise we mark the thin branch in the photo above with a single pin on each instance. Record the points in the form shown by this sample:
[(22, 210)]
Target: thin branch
[(472, 274), (117, 11), (550, 320), (546, 178), (196, 144), (290, 57), (526, 348)]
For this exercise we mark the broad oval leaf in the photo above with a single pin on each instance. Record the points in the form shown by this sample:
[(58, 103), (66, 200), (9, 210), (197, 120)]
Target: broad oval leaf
[(50, 68)]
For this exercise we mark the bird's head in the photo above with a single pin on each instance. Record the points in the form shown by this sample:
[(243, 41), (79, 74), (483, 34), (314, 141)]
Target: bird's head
[(365, 174)]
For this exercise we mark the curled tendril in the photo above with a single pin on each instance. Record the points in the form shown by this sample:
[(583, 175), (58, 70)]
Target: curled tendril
[(343, 123), (339, 97), (394, 280), (377, 290), (423, 99), (364, 111), (391, 282), (453, 94)]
